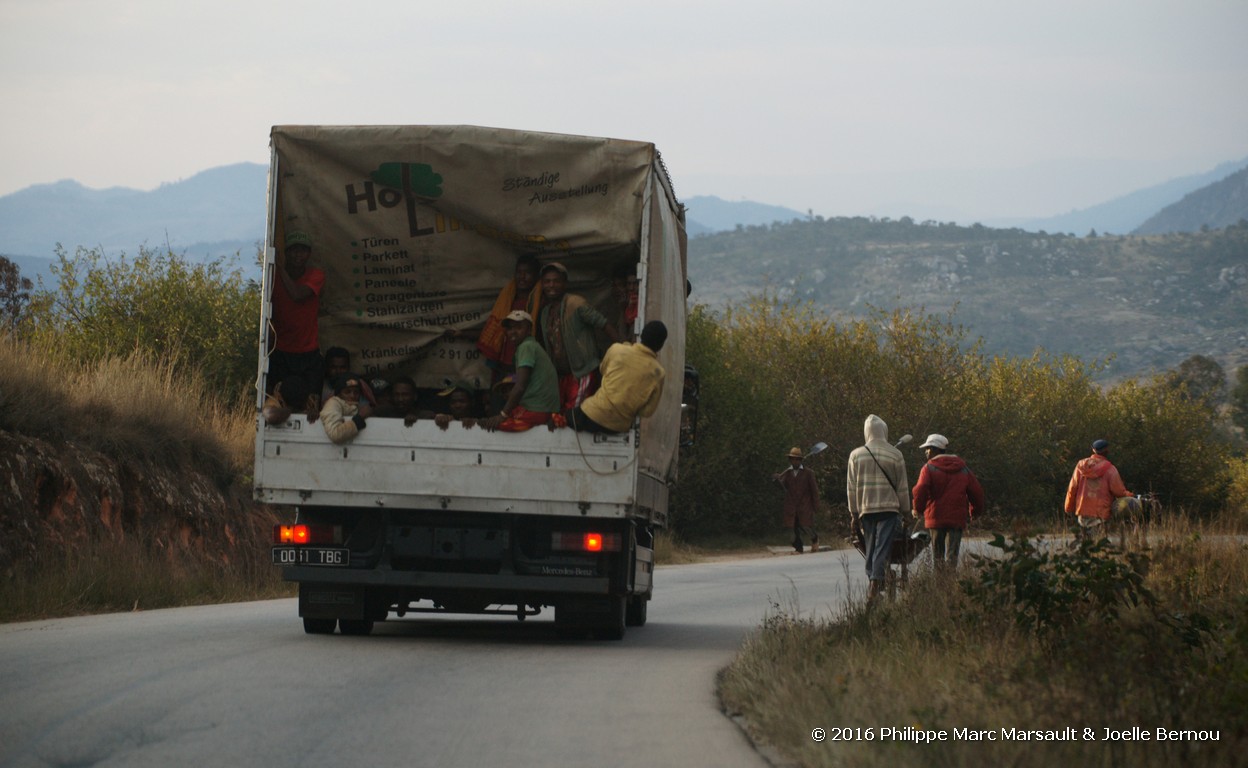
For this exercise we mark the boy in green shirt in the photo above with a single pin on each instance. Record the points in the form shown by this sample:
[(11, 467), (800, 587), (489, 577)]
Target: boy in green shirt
[(535, 395)]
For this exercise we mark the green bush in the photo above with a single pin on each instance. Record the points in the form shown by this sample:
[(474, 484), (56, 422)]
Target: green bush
[(775, 375), (1050, 591), (199, 317), (725, 485)]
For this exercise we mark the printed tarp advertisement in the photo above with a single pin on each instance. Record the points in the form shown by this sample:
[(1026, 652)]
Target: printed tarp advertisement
[(418, 228)]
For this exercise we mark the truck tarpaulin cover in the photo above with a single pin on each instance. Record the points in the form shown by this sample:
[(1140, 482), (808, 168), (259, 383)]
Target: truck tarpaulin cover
[(418, 228)]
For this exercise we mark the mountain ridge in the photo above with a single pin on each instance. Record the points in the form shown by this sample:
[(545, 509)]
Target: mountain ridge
[(1220, 204), (740, 247), (220, 211), (1140, 303), (1123, 214)]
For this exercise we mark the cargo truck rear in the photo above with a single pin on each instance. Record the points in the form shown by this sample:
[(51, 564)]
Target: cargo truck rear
[(417, 228)]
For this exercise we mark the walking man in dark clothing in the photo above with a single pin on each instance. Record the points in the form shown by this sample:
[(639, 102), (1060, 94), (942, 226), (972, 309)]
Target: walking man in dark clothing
[(801, 500)]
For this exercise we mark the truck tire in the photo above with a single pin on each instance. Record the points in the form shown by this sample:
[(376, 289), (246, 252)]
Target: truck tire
[(636, 615), (359, 627), (611, 626), (318, 626), (604, 620)]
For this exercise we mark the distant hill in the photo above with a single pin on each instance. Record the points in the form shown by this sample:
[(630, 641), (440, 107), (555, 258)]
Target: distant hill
[(214, 213), (221, 211), (1124, 214), (218, 211), (1150, 302), (707, 214), (1218, 205)]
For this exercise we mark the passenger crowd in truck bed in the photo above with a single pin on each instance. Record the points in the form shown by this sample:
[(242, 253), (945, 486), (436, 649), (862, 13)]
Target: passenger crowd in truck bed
[(541, 343)]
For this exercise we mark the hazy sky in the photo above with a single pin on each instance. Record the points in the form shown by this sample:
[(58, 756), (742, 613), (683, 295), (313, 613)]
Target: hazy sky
[(956, 110)]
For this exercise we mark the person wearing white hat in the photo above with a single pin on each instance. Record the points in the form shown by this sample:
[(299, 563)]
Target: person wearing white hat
[(948, 496), (534, 398)]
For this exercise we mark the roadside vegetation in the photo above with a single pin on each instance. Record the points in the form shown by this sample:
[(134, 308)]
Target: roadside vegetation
[(151, 357), (1031, 636), (145, 361), (774, 376), (112, 576), (140, 408)]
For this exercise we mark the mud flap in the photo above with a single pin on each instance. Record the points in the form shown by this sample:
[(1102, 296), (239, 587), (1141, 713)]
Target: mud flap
[(325, 601)]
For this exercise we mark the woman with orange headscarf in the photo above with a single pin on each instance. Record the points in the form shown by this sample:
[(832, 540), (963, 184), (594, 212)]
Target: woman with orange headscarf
[(520, 293)]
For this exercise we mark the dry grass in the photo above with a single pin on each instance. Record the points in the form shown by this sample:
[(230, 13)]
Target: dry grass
[(938, 659), (670, 550), (115, 576), (132, 406), (137, 408)]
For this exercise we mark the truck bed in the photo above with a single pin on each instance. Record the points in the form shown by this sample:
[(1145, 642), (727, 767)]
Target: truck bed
[(538, 472)]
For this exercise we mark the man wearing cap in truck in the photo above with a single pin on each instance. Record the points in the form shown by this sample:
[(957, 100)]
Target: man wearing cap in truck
[(535, 397)]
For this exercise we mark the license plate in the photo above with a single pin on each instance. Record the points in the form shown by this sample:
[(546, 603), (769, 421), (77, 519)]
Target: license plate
[(339, 557)]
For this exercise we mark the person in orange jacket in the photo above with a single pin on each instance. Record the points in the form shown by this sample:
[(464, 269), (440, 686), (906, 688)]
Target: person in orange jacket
[(1092, 490)]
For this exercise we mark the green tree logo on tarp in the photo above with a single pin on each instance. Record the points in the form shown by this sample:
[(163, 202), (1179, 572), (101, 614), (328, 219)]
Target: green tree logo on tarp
[(409, 184), (415, 178)]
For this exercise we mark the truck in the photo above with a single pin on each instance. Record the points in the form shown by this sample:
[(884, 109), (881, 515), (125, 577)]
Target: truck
[(416, 229)]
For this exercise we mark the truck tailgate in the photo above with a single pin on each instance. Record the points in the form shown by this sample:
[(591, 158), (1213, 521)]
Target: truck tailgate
[(390, 465)]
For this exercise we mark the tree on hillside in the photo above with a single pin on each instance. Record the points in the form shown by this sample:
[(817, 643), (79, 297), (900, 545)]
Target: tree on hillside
[(1201, 377), (14, 294), (1239, 398)]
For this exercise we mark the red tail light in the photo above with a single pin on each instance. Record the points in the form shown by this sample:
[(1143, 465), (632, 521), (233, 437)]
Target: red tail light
[(307, 534), (578, 541)]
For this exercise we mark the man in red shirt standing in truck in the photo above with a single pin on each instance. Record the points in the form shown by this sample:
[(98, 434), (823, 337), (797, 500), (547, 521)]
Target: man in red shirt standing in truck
[(295, 350)]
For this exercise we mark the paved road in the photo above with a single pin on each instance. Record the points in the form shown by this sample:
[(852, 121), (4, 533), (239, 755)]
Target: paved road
[(243, 685)]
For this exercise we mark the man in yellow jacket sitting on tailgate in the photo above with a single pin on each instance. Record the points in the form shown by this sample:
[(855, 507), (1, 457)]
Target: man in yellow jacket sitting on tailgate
[(632, 381)]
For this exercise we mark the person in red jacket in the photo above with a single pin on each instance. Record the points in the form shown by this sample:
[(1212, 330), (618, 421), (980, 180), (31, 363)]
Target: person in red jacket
[(1092, 490), (949, 495)]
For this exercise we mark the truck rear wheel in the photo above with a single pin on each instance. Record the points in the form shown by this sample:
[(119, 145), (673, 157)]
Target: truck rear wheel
[(611, 626), (605, 619), (636, 615), (318, 626)]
